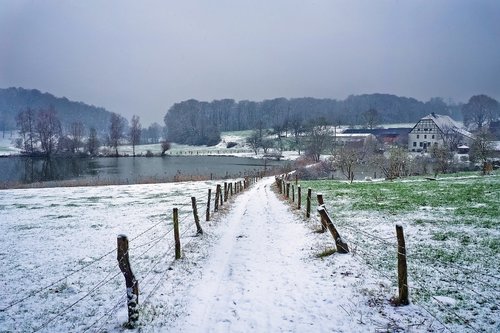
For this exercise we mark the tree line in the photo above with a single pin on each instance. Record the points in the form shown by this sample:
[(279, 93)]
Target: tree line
[(199, 122), (41, 132)]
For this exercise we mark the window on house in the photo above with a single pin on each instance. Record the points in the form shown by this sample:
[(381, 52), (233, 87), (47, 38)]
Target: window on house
[(425, 136), (418, 136), (433, 136), (414, 144), (421, 144)]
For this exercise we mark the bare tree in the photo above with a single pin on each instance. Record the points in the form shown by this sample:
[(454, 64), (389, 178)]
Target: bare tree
[(165, 146), (481, 149), (347, 158), (135, 132), (26, 121), (115, 131), (76, 131), (442, 158), (92, 142), (371, 118), (48, 128), (395, 165), (254, 140), (479, 111), (317, 139)]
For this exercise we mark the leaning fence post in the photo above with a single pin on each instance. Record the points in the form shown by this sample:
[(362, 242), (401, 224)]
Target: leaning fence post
[(199, 230), (339, 243), (323, 221), (130, 281), (176, 234), (402, 269), (308, 203)]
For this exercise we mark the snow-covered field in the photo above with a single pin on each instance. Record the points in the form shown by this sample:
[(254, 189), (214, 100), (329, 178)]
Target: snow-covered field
[(256, 268), (452, 231)]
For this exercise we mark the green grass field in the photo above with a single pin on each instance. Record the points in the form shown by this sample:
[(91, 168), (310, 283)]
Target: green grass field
[(452, 231)]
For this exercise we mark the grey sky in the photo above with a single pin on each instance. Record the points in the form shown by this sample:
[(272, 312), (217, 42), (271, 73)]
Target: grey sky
[(140, 57)]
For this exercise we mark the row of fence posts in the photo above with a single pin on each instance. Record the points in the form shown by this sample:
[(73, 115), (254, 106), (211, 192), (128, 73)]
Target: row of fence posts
[(131, 283), (287, 189)]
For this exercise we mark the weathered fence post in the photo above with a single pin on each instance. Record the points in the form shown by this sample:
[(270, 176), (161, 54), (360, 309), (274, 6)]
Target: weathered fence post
[(293, 193), (199, 230), (231, 189), (221, 199), (130, 281), (225, 191), (176, 234), (299, 197), (217, 194), (208, 204), (321, 203), (308, 203), (339, 243), (402, 269), (288, 190)]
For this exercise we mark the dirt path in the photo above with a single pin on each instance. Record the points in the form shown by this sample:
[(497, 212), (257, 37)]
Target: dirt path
[(264, 276)]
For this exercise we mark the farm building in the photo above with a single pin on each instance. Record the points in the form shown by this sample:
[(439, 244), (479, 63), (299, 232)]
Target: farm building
[(437, 130)]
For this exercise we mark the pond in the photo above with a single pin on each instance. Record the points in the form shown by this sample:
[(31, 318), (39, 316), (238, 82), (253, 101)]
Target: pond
[(101, 170)]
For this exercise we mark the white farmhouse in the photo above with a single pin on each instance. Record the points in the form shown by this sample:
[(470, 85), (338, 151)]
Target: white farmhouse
[(436, 130)]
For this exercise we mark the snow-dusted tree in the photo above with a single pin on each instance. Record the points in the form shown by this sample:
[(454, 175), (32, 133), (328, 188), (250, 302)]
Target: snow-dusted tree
[(481, 149), (479, 111), (115, 131), (135, 132), (93, 142), (26, 121), (318, 137), (76, 130), (165, 146), (371, 118), (48, 128), (442, 158), (254, 141)]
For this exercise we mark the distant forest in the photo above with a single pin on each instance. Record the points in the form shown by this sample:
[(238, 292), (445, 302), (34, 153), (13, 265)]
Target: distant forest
[(196, 122), (14, 100)]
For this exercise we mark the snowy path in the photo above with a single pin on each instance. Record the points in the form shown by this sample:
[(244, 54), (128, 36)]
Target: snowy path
[(261, 276)]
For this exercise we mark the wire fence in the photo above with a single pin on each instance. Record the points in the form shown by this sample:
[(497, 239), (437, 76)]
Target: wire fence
[(452, 294), (151, 255)]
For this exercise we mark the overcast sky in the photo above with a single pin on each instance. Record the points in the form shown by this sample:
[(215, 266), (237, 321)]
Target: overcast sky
[(140, 57)]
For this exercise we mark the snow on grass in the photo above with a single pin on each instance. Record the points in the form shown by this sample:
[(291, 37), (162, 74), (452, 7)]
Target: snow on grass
[(452, 232), (257, 267)]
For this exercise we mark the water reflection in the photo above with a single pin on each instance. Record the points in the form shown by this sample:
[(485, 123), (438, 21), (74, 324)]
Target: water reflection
[(129, 170)]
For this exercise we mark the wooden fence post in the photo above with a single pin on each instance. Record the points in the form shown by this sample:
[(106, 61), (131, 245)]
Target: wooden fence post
[(199, 230), (293, 193), (231, 189), (217, 194), (299, 197), (321, 203), (402, 269), (221, 199), (130, 281), (308, 203), (176, 234), (288, 190), (225, 191), (208, 204), (339, 243)]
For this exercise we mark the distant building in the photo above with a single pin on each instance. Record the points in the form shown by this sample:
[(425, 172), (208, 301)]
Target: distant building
[(387, 136), (437, 130)]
